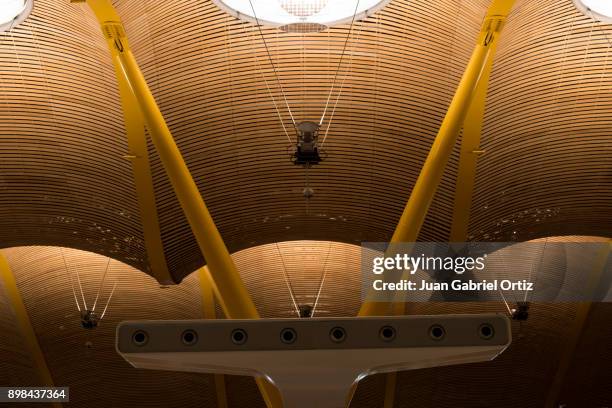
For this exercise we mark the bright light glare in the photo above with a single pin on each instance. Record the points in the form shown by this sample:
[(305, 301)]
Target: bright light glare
[(10, 10), (286, 12), (599, 9)]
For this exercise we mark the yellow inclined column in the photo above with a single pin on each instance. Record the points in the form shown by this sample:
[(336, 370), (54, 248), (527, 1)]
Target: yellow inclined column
[(209, 312), (468, 157), (25, 327), (227, 284), (229, 288), (143, 181), (427, 183), (471, 87)]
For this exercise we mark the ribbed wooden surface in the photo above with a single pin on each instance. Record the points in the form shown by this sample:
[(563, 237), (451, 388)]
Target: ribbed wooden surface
[(548, 129), (62, 178), (98, 377), (283, 276), (63, 181), (86, 360), (206, 69)]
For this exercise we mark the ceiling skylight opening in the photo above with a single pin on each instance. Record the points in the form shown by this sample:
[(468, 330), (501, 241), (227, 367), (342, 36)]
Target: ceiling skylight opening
[(301, 15), (13, 12), (600, 10)]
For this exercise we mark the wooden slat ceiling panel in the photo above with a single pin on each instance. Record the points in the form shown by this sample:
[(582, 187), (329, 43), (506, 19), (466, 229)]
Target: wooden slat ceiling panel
[(87, 359), (206, 69), (63, 181), (548, 128), (62, 178), (521, 376)]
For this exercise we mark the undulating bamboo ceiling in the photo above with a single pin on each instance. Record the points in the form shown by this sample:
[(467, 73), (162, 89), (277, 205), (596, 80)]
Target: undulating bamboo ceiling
[(325, 273), (63, 180)]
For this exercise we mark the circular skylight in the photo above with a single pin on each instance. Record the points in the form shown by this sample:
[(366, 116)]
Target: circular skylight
[(13, 12), (598, 9), (301, 15)]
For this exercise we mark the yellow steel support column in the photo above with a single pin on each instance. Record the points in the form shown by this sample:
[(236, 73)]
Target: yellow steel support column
[(208, 311), (25, 327), (390, 384), (227, 284), (470, 152), (427, 183), (143, 181), (463, 105)]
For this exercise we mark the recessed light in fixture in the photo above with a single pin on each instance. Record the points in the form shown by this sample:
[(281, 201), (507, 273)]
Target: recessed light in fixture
[(14, 12), (301, 15), (598, 9)]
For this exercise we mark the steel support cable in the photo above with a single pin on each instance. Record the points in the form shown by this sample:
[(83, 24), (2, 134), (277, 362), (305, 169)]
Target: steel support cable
[(348, 36), (505, 268), (78, 280), (323, 276), (76, 300), (108, 301), (331, 118), (505, 302), (297, 308), (280, 117), (101, 284), (539, 264), (280, 85)]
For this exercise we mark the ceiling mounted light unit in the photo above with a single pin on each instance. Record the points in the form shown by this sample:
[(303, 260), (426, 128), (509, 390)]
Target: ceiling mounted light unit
[(301, 15), (600, 10), (13, 12)]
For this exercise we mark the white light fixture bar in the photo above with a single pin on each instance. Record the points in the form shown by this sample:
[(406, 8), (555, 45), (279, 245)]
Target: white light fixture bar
[(314, 362)]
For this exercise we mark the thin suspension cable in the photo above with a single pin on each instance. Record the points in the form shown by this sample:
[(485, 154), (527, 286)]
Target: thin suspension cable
[(324, 275), (331, 118), (81, 289), (101, 284), (505, 302), (538, 266), (108, 301), (297, 308), (348, 36), (280, 117), (263, 38), (79, 282), (505, 268), (76, 300)]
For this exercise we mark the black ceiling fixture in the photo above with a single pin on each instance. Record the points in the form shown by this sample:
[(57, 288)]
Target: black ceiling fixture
[(306, 151), (521, 312)]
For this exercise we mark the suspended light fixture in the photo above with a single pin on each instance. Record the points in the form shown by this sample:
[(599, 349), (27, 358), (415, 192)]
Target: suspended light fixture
[(13, 12), (598, 9), (301, 15)]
